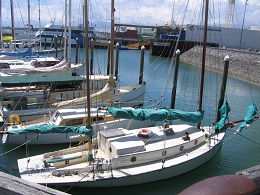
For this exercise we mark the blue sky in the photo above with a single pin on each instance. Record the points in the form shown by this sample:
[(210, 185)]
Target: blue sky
[(140, 12)]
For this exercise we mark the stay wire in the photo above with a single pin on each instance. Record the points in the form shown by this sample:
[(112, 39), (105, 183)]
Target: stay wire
[(78, 181), (231, 136), (19, 146), (175, 49)]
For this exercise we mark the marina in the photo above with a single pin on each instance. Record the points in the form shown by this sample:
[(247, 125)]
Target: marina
[(196, 119), (221, 164)]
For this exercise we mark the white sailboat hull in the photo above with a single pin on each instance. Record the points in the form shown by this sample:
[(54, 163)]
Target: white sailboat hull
[(61, 138), (130, 96), (151, 171), (126, 96)]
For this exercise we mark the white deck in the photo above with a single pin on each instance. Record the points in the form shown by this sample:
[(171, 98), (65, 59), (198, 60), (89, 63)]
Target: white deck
[(149, 168)]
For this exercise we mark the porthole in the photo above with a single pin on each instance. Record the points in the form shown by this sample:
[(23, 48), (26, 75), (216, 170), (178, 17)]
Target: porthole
[(181, 148), (164, 153), (195, 142), (133, 159)]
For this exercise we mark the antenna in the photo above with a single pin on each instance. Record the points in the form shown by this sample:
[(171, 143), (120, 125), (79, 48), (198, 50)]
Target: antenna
[(230, 13)]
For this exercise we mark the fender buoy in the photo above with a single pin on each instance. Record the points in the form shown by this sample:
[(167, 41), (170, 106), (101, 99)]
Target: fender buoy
[(14, 119)]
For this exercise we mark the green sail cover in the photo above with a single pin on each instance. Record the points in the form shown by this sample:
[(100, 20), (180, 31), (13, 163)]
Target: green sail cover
[(223, 111), (44, 129), (249, 117), (156, 115)]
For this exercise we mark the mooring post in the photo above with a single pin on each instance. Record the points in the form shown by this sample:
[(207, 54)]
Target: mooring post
[(108, 58), (91, 56), (223, 86), (56, 46), (77, 50), (117, 60), (141, 65), (175, 78)]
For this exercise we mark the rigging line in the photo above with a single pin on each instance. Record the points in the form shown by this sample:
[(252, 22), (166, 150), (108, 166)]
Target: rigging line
[(249, 85), (6, 121), (20, 12), (242, 137), (18, 146), (138, 11), (99, 14), (241, 35), (52, 20), (176, 45), (78, 181), (1, 167)]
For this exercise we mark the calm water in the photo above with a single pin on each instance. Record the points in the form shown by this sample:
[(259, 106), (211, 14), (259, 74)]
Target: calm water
[(238, 153)]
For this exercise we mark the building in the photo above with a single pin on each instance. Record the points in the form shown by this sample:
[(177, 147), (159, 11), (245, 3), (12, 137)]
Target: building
[(225, 37)]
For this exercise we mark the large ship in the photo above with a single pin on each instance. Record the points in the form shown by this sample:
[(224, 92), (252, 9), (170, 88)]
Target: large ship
[(48, 33)]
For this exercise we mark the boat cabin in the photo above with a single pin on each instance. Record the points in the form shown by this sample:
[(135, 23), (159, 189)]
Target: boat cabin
[(78, 117)]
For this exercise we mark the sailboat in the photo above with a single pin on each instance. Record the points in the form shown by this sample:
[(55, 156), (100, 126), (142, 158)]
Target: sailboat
[(29, 50), (46, 131), (65, 126), (39, 88), (57, 130), (121, 157)]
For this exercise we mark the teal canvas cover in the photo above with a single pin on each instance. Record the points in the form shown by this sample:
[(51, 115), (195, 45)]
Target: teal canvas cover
[(44, 129), (156, 115), (249, 117), (223, 111)]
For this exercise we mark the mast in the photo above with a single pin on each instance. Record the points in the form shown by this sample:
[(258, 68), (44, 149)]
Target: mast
[(65, 31), (1, 34), (29, 27), (203, 58), (12, 18), (112, 37), (112, 42), (90, 157), (69, 36), (39, 4)]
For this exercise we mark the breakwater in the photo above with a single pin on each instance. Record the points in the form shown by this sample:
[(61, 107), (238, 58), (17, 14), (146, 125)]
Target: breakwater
[(244, 65)]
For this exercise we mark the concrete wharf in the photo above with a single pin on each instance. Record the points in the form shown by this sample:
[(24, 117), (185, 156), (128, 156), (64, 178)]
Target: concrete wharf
[(244, 64)]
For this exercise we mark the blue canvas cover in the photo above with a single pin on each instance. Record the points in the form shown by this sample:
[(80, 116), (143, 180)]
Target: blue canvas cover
[(156, 115), (223, 111), (249, 117), (44, 129)]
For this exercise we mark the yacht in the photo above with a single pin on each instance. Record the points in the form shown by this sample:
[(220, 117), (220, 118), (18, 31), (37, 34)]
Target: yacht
[(50, 31)]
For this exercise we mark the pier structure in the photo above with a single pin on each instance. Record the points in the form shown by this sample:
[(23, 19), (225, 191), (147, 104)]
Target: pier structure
[(17, 186), (135, 36)]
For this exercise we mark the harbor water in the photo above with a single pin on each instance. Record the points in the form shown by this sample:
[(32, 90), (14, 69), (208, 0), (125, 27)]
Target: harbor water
[(238, 152)]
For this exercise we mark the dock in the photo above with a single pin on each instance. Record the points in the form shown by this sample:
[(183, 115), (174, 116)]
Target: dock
[(166, 47), (252, 173), (16, 186)]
